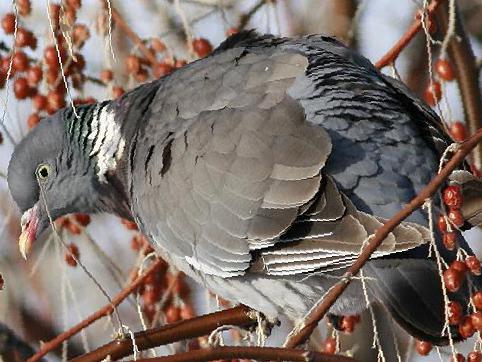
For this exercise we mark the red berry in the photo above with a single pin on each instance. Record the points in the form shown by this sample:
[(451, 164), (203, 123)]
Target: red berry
[(158, 45), (130, 225), (20, 61), (24, 7), (330, 345), (449, 240), (55, 101), (51, 75), (456, 218), (180, 63), (452, 196), (466, 329), (39, 102), (151, 294), (474, 356), (24, 38), (202, 47), (173, 314), (34, 75), (477, 320), (8, 23), (33, 120), (54, 10), (141, 76), (50, 57), (179, 285), (82, 219), (455, 313), (423, 347), (348, 323), (473, 264), (75, 4), (459, 266), (72, 255), (80, 34), (74, 228), (458, 131), (444, 69), (133, 64), (433, 93), (106, 75), (187, 312), (458, 358), (453, 279), (161, 69), (477, 300), (232, 31), (117, 92), (21, 88), (442, 224)]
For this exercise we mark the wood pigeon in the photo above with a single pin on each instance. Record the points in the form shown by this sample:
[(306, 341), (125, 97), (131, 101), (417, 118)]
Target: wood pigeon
[(260, 171)]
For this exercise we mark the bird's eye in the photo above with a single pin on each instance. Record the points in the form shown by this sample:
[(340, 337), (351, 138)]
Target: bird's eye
[(43, 171)]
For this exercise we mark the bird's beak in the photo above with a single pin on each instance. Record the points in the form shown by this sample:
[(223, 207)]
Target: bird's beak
[(29, 223)]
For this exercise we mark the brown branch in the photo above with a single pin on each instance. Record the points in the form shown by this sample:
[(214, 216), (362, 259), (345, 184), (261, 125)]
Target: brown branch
[(303, 332), (245, 18), (465, 65), (416, 26), (106, 310), (255, 353), (239, 316), (121, 23)]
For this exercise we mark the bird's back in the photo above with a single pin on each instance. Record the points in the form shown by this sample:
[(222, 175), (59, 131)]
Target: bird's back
[(272, 160)]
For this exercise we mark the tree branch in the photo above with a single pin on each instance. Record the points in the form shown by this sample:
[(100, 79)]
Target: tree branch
[(239, 316), (256, 353), (465, 65), (131, 34), (106, 310), (416, 26), (302, 333), (245, 18)]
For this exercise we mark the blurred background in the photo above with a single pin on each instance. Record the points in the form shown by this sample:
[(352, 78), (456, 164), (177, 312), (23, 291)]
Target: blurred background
[(48, 293)]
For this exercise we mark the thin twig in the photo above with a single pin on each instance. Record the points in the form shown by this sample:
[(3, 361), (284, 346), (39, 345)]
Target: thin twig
[(104, 311), (119, 20), (245, 18), (255, 353), (465, 66), (240, 316), (416, 26), (304, 331)]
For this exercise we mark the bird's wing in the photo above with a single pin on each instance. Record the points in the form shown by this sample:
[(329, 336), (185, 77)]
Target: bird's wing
[(229, 174)]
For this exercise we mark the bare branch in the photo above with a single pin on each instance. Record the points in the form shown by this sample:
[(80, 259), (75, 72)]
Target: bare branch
[(239, 316), (256, 353), (416, 26), (106, 310)]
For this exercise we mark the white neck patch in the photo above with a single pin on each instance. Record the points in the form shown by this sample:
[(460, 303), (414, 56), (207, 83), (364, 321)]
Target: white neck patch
[(109, 144)]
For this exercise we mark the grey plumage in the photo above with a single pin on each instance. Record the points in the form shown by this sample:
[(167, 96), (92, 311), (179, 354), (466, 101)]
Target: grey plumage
[(261, 170)]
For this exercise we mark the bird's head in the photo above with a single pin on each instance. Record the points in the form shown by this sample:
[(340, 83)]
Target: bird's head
[(66, 165)]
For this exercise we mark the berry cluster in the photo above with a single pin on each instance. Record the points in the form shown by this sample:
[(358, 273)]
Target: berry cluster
[(74, 225), (41, 80), (452, 198), (455, 275), (164, 294)]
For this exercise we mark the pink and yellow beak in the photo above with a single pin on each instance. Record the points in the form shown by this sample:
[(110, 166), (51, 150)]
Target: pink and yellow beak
[(29, 224)]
